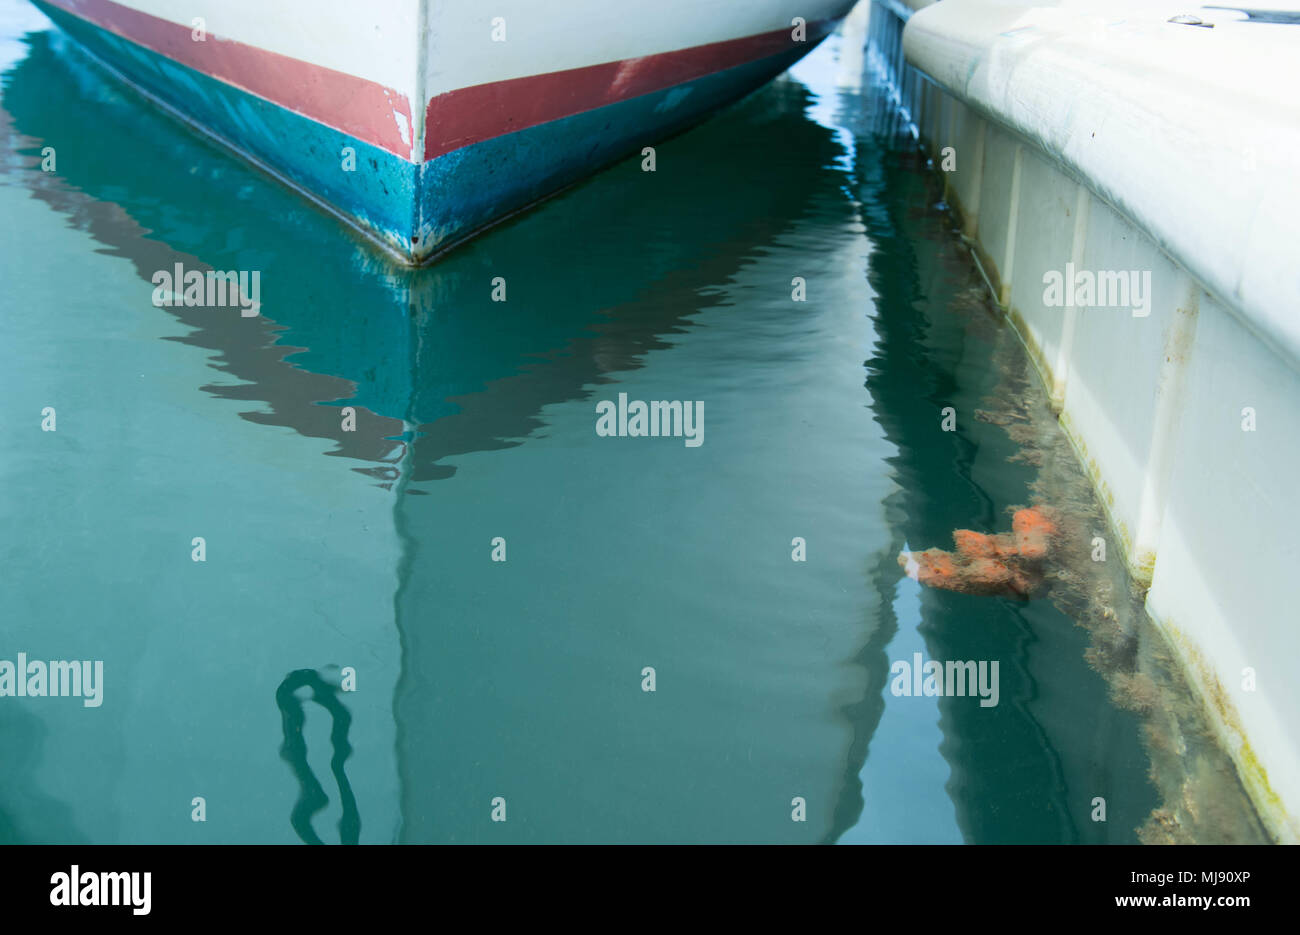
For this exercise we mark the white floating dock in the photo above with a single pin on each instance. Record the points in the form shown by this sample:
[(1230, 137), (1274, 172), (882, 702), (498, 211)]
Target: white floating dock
[(1103, 139)]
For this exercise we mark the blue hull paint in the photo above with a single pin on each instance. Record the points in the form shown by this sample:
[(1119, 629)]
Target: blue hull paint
[(379, 197), (470, 188), (418, 211)]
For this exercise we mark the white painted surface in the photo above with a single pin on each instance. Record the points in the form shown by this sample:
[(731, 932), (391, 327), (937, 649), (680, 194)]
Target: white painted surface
[(1229, 554), (547, 37), (1186, 130)]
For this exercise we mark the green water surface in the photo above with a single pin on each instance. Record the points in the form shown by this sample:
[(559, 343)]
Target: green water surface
[(519, 680)]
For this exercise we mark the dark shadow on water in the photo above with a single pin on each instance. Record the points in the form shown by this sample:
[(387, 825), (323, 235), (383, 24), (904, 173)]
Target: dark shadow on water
[(23, 737), (311, 795)]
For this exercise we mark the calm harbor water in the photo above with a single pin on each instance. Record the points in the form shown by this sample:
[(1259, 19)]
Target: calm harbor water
[(517, 686)]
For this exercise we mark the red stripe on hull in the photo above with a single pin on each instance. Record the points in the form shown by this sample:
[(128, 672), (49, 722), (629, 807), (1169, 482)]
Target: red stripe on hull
[(471, 115), (355, 106)]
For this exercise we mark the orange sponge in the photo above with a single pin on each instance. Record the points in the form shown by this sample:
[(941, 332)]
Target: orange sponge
[(1007, 564)]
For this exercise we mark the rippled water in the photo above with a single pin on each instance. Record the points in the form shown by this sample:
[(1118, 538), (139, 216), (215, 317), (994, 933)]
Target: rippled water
[(372, 549)]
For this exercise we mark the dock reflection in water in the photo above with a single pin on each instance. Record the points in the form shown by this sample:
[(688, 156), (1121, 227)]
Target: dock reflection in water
[(518, 682)]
